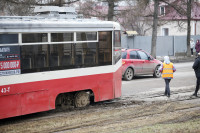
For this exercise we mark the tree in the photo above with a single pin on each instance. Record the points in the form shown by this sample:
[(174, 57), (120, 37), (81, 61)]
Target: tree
[(154, 32), (111, 6), (184, 8), (133, 17), (130, 15), (189, 5), (155, 25), (94, 8)]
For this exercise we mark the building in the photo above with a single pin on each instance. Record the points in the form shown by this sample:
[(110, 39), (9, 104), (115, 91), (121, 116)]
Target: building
[(174, 23)]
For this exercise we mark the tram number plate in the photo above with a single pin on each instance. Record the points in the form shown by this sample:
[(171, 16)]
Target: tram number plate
[(5, 90)]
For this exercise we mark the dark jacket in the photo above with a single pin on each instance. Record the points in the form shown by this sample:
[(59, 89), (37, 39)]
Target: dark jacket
[(196, 67), (197, 47)]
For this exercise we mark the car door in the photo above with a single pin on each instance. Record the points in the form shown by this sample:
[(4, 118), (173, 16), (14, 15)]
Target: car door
[(135, 62), (147, 63)]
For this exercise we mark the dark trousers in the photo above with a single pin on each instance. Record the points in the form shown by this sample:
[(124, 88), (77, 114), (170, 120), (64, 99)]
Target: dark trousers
[(197, 85), (191, 51), (197, 53), (167, 89)]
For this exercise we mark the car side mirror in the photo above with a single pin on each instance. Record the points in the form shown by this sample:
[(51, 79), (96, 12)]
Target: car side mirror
[(149, 58)]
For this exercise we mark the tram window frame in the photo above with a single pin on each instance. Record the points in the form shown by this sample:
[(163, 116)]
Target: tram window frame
[(60, 35), (32, 36), (92, 53), (86, 36), (9, 38), (117, 46), (105, 48)]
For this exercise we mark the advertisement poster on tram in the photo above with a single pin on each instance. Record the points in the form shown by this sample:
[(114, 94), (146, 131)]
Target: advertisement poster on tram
[(9, 60)]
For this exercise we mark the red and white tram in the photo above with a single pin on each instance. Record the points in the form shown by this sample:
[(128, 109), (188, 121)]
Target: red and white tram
[(48, 62)]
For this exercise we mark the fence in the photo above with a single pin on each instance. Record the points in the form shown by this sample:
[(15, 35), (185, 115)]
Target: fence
[(166, 45)]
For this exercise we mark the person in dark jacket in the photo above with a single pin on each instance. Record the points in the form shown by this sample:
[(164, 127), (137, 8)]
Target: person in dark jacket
[(196, 67), (197, 47)]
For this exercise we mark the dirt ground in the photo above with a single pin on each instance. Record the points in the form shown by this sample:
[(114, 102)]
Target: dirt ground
[(150, 112)]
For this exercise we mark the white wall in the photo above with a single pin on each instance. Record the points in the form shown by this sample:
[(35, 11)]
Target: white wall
[(197, 27), (175, 30)]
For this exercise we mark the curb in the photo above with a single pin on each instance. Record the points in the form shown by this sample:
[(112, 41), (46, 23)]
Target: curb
[(177, 59)]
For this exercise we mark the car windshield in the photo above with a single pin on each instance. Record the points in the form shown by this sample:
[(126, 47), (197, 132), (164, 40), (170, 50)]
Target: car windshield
[(124, 53)]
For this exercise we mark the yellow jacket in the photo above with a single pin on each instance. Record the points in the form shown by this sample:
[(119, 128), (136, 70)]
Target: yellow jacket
[(167, 70)]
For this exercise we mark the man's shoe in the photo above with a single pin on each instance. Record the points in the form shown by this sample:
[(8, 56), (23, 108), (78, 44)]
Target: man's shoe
[(195, 95)]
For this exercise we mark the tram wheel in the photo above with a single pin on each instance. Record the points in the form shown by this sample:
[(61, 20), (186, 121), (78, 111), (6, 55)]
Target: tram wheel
[(81, 99), (64, 101)]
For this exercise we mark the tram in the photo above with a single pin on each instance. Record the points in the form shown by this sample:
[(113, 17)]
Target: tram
[(55, 59)]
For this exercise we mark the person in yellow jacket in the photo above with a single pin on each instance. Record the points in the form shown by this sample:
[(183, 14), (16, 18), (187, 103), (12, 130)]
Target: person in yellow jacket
[(167, 69)]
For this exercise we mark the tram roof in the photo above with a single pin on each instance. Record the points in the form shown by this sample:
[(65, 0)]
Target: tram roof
[(41, 24)]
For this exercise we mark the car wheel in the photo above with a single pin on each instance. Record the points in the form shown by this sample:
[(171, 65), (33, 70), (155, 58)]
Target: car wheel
[(128, 74), (157, 73)]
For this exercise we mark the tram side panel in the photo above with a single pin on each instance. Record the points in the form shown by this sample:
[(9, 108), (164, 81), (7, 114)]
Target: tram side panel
[(24, 98), (117, 81), (32, 97), (10, 102), (100, 84)]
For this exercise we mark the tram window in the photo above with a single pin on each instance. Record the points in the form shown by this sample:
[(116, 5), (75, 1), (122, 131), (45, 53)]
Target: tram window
[(117, 46), (66, 57), (86, 54), (34, 58), (54, 56), (8, 38), (34, 37), (86, 36), (105, 48), (91, 54), (62, 37), (60, 56), (45, 57), (27, 58)]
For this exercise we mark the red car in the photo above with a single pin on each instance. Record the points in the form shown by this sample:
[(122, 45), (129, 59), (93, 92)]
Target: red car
[(138, 62)]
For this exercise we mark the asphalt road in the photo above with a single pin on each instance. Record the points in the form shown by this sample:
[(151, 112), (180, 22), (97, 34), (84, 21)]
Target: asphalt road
[(183, 77)]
